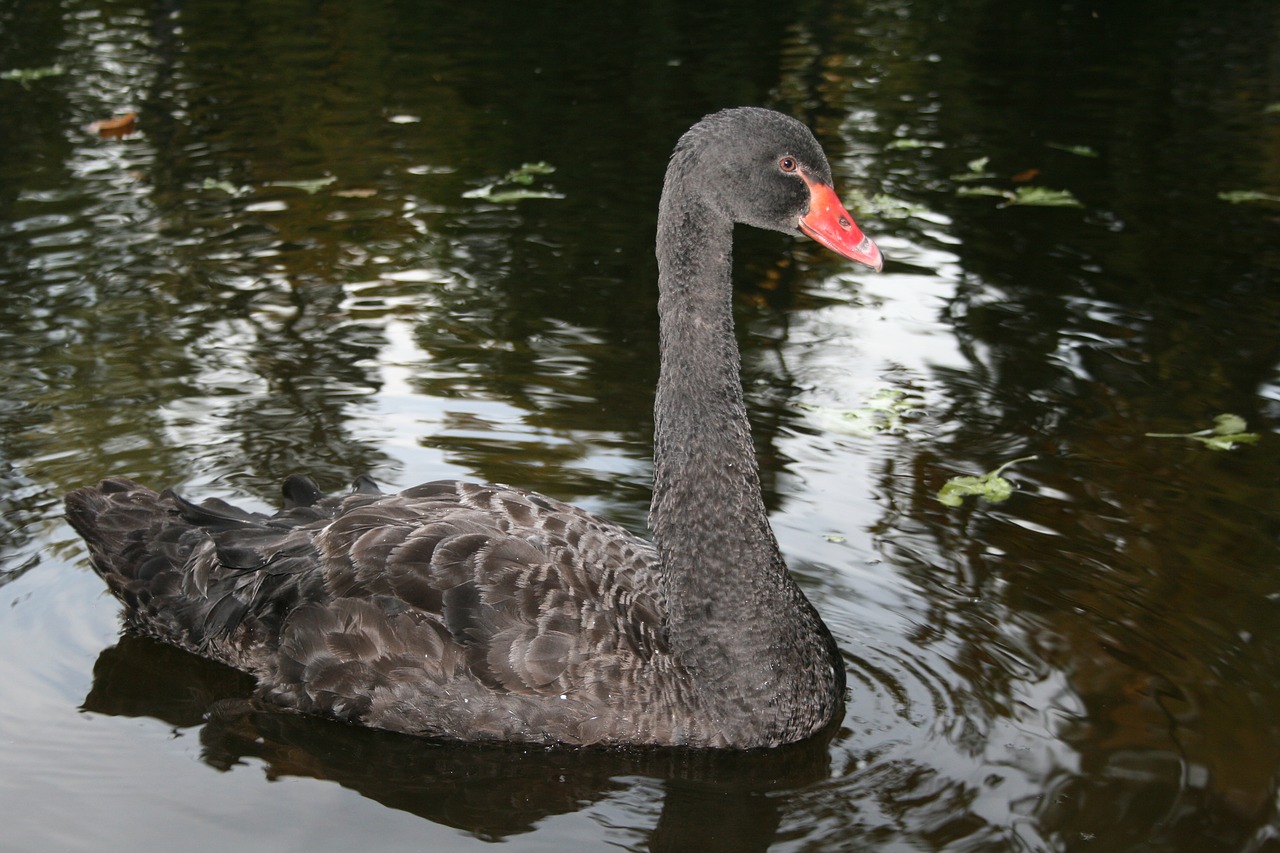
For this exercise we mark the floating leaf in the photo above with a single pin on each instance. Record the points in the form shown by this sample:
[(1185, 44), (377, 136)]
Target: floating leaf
[(1078, 150), (310, 187), (955, 490), (984, 190), (990, 486), (113, 127), (977, 171), (1025, 196), (501, 191), (526, 173), (1227, 431), (1246, 196), (1272, 108), (513, 195), (882, 413), (1226, 424), (883, 206), (1041, 197), (909, 144), (26, 76), (834, 537), (225, 186)]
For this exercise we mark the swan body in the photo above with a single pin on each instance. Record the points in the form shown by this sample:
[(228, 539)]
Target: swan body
[(490, 613)]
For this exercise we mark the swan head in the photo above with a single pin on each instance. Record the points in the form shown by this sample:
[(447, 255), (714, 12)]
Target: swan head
[(765, 169)]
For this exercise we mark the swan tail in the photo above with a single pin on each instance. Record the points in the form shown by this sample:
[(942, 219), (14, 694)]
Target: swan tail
[(119, 521), (210, 578)]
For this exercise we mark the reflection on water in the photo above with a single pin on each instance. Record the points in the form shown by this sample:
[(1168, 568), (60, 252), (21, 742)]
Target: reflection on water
[(280, 271), (491, 792)]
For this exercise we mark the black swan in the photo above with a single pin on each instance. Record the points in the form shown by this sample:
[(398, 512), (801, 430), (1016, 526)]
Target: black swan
[(490, 613)]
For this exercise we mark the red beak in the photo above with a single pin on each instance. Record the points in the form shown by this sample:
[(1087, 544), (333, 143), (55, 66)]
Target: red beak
[(831, 225)]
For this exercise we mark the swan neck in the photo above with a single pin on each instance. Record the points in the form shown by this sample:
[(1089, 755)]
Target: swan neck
[(736, 620), (708, 517), (721, 568)]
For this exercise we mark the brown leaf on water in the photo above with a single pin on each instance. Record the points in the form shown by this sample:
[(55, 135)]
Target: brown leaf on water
[(111, 128), (1025, 175)]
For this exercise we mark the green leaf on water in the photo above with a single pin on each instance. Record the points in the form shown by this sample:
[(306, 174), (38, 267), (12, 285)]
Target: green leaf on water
[(907, 144), (1078, 150), (983, 190), (882, 413), (26, 76), (1272, 108), (310, 187), (977, 171), (513, 195), (1227, 431), (225, 186), (527, 172), (1027, 196), (1227, 424), (516, 185), (991, 487), (881, 205), (1024, 196), (1247, 196), (1041, 197)]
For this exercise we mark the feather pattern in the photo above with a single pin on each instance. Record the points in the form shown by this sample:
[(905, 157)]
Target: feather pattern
[(391, 611)]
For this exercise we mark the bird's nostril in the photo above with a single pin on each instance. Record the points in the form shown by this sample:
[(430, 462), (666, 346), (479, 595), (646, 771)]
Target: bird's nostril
[(845, 223)]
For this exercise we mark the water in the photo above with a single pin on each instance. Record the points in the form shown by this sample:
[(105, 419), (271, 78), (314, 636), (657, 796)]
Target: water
[(279, 271)]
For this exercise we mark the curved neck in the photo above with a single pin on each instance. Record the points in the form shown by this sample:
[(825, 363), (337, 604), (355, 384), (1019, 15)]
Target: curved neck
[(708, 518), (736, 616)]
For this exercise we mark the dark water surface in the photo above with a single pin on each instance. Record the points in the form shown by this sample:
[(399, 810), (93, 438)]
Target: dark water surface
[(281, 270)]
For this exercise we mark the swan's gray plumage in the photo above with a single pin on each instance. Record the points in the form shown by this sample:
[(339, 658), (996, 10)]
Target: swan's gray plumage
[(449, 609), (491, 613)]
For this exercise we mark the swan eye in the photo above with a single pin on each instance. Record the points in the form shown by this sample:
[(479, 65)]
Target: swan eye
[(787, 164)]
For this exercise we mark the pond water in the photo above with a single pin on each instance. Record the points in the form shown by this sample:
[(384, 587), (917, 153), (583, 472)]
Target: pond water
[(286, 266)]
